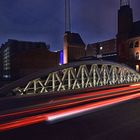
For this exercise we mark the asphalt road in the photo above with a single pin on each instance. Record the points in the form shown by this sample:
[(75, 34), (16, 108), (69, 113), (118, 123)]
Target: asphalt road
[(118, 122), (65, 107)]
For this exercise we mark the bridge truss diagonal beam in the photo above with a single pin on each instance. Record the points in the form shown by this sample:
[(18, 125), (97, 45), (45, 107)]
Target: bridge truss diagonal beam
[(79, 76)]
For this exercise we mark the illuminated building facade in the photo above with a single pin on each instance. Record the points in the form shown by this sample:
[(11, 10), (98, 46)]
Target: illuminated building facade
[(128, 36), (74, 47), (126, 46)]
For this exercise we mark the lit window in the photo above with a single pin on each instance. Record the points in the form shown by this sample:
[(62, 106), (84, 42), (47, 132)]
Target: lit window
[(6, 59), (137, 68), (131, 45), (7, 68), (136, 44), (6, 76), (137, 55), (101, 48)]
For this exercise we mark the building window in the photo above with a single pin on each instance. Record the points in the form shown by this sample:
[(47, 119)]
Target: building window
[(136, 44), (6, 63), (131, 45), (137, 55), (137, 68), (101, 48), (6, 76), (6, 59)]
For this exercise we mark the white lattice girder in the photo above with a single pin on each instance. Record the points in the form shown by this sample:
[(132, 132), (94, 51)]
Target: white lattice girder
[(80, 76)]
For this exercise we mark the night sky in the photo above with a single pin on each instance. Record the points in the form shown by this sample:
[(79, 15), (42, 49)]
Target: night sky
[(43, 20)]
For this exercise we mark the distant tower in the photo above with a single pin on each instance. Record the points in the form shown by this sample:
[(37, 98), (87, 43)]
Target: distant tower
[(125, 17), (67, 31), (67, 16), (74, 47), (125, 23), (124, 2)]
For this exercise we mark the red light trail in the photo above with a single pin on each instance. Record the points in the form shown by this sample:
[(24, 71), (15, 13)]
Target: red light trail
[(64, 113), (96, 95)]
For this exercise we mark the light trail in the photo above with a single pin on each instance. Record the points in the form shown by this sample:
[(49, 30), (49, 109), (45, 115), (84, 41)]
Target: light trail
[(88, 107), (134, 85), (66, 112), (55, 103)]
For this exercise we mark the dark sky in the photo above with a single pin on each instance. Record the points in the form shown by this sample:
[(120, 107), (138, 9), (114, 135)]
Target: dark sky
[(43, 20)]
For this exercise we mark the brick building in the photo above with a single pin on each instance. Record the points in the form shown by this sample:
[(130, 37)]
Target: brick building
[(127, 42), (74, 47), (102, 49), (128, 37)]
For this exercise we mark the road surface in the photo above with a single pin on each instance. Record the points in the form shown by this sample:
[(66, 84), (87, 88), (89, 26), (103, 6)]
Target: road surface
[(118, 122), (111, 114)]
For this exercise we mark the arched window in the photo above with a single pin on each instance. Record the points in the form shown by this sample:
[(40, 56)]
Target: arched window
[(137, 68), (131, 45), (137, 44), (137, 55)]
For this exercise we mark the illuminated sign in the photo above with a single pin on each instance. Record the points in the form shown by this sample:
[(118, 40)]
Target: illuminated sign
[(61, 62)]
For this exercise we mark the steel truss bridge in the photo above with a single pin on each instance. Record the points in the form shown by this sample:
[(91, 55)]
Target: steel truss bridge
[(77, 75)]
